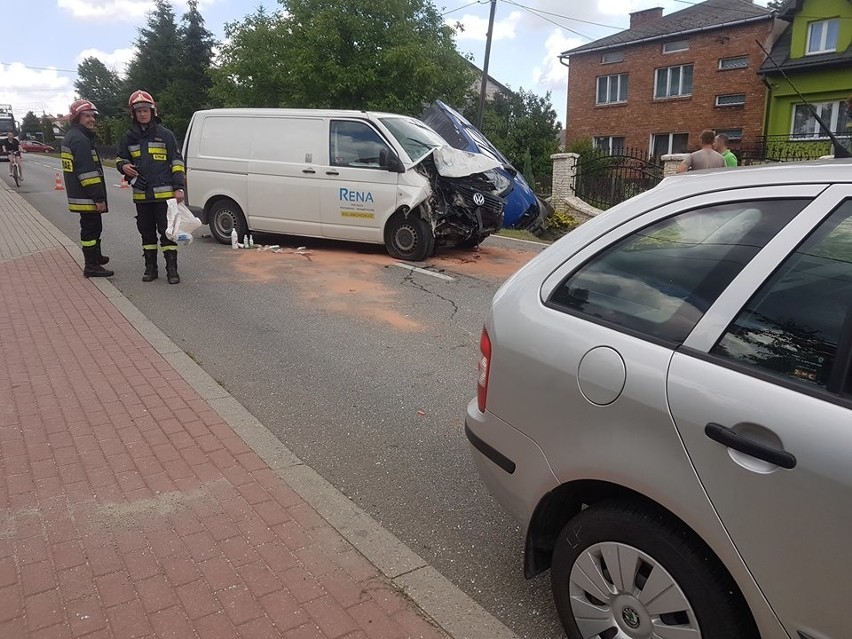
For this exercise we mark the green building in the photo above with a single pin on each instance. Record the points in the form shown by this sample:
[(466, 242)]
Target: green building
[(815, 53)]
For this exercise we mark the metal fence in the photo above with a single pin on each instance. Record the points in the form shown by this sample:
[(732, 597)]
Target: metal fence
[(603, 180), (783, 148)]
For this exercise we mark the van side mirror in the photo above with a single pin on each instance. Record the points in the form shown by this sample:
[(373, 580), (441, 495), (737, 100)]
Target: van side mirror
[(390, 161)]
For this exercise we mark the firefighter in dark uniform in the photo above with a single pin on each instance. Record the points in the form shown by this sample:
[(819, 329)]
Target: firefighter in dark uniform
[(84, 184), (149, 157)]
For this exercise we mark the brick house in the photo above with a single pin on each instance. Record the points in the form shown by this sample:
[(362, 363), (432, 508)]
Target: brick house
[(656, 85)]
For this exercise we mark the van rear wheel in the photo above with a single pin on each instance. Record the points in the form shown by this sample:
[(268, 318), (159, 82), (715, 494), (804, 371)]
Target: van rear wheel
[(224, 216), (409, 237)]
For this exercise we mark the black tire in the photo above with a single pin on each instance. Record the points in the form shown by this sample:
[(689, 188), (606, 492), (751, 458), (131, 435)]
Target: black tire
[(16, 174), (704, 596), (225, 215), (409, 237), (472, 242)]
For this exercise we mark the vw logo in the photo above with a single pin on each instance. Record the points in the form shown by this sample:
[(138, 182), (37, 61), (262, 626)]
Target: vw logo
[(631, 617), (478, 199)]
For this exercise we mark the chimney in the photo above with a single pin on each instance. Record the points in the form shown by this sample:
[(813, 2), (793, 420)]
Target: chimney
[(638, 18)]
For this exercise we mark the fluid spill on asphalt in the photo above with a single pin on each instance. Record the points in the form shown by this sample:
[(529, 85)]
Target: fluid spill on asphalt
[(341, 279)]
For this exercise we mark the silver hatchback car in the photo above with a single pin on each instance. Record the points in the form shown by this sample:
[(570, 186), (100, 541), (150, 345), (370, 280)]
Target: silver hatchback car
[(665, 401)]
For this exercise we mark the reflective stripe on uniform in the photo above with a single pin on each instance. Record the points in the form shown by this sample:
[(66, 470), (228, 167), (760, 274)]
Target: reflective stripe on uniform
[(149, 247), (156, 145), (67, 159), (88, 179), (169, 247), (178, 166), (163, 192), (138, 196), (82, 208), (85, 243)]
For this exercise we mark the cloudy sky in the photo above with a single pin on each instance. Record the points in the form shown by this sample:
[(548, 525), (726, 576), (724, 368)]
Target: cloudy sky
[(40, 54)]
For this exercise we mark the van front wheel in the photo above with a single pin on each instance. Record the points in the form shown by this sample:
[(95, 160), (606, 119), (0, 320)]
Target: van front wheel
[(409, 237), (224, 216)]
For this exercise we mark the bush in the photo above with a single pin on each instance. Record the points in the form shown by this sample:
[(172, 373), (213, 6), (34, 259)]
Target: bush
[(557, 224)]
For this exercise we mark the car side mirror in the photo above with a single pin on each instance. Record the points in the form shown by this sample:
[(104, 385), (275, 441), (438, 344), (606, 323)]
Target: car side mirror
[(390, 161)]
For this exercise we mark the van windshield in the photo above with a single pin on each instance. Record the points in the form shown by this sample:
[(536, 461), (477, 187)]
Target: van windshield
[(415, 137)]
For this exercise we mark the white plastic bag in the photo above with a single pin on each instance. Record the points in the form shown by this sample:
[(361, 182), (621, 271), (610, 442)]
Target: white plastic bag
[(181, 223)]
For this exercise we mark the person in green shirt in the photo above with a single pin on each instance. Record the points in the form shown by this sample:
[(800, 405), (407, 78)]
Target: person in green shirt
[(720, 145)]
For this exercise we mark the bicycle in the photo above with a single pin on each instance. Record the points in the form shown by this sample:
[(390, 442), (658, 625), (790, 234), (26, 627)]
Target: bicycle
[(16, 170)]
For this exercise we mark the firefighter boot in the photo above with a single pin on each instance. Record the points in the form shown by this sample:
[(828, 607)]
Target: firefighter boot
[(102, 259), (92, 268), (150, 265), (171, 267)]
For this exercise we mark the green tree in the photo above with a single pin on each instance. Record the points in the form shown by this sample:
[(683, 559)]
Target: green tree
[(391, 55), (775, 4), (252, 69), (29, 125), (99, 84), (518, 124), (155, 63), (190, 86), (47, 128)]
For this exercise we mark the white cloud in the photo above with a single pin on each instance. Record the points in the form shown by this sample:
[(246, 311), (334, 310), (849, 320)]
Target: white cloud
[(551, 74), (107, 10), (476, 28), (116, 61), (35, 90)]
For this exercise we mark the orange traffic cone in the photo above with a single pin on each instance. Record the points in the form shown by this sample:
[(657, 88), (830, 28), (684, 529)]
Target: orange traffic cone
[(124, 184), (58, 186)]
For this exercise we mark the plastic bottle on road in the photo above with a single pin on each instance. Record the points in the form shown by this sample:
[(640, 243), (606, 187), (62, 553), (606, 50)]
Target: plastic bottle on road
[(235, 239)]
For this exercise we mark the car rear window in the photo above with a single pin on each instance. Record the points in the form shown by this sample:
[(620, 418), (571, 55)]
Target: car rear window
[(661, 280)]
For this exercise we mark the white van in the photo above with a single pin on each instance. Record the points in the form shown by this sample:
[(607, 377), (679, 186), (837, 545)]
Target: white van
[(346, 175)]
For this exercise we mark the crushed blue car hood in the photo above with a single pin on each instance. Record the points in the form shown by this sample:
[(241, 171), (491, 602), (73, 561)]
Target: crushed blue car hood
[(522, 206)]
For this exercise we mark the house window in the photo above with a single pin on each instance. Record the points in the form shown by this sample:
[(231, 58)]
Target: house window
[(665, 143), (609, 58), (805, 125), (740, 62), (612, 88), (822, 36), (673, 81), (677, 45), (612, 145), (733, 99), (733, 134)]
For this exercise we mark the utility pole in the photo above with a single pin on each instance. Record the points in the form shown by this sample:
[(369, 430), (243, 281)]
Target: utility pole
[(485, 66)]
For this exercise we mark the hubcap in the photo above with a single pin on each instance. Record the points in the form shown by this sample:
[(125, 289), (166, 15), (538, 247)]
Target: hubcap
[(620, 592), (406, 239)]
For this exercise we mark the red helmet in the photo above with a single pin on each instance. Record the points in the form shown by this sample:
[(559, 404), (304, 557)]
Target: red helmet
[(141, 99), (78, 107)]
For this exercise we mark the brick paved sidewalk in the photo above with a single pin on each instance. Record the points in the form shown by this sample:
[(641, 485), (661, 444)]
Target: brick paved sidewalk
[(130, 508)]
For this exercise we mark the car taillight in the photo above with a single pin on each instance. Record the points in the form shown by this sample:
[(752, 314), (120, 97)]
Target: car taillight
[(484, 367)]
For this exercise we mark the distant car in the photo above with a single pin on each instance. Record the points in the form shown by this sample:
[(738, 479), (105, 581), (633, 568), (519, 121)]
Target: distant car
[(665, 400), (524, 210), (34, 146)]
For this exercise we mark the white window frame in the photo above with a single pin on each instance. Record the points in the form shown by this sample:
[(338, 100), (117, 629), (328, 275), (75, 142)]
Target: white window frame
[(618, 56), (737, 57), (608, 144), (668, 72), (671, 141), (825, 25), (734, 135), (817, 133), (682, 45), (730, 104), (618, 88)]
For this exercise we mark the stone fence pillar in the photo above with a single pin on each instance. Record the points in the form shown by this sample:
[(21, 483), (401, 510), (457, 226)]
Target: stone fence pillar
[(670, 163), (564, 172)]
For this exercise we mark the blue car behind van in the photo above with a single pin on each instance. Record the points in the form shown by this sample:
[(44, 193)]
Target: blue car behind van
[(524, 210)]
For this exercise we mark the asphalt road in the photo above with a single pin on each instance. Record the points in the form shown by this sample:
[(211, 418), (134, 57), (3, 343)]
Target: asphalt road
[(361, 367)]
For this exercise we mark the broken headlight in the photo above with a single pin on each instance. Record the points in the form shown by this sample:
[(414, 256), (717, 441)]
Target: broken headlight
[(502, 184)]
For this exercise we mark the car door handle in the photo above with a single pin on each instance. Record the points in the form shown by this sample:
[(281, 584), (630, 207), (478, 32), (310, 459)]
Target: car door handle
[(311, 171), (731, 439), (332, 173)]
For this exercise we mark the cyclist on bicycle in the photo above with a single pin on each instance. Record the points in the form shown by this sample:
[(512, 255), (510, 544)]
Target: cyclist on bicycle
[(13, 148)]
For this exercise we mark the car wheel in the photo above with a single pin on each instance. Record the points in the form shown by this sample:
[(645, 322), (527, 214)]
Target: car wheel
[(620, 570), (409, 237), (224, 216)]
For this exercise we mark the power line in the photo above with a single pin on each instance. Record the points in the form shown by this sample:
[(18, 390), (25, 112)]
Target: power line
[(464, 6), (26, 66), (537, 14)]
